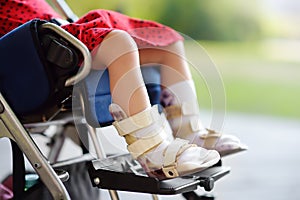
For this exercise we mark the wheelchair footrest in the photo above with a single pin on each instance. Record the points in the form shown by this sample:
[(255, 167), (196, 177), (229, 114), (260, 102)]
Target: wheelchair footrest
[(123, 173)]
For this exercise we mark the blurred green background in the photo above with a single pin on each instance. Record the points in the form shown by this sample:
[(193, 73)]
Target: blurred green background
[(255, 45)]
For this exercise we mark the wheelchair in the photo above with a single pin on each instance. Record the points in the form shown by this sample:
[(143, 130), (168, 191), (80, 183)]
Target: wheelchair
[(42, 86)]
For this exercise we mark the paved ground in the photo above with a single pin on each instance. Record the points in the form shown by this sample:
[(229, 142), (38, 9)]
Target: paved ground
[(269, 170)]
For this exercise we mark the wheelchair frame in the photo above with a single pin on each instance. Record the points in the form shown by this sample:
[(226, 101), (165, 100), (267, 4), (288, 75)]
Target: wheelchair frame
[(11, 127), (99, 170)]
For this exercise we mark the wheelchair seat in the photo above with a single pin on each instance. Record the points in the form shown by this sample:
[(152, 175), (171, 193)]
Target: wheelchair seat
[(40, 64)]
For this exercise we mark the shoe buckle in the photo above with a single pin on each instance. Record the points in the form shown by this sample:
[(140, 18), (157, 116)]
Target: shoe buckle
[(170, 171)]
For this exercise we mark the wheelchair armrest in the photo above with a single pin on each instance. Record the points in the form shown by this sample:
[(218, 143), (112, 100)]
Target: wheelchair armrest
[(87, 59), (32, 81)]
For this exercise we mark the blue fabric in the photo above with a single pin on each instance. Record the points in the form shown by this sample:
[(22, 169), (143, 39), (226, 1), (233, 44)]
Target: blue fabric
[(151, 76), (99, 97), (23, 80)]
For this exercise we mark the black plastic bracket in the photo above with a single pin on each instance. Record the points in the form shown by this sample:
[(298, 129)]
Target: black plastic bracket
[(123, 173)]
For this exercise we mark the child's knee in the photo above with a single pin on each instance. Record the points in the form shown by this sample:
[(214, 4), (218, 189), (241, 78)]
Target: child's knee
[(120, 39), (114, 45)]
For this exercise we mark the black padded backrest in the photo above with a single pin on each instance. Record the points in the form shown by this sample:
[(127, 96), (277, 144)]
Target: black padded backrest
[(34, 67), (23, 79)]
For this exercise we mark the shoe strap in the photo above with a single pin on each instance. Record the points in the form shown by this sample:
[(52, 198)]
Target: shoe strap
[(137, 122), (148, 128), (150, 140), (175, 148), (142, 145), (186, 108), (210, 138)]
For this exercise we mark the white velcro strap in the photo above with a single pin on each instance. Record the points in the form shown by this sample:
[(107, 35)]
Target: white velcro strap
[(172, 151), (210, 138), (142, 145), (169, 167), (136, 122), (160, 131), (195, 124), (190, 108), (210, 134)]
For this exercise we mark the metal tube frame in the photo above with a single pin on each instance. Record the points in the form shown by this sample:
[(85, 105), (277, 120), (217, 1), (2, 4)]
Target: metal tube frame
[(97, 145), (12, 128), (63, 7), (87, 58)]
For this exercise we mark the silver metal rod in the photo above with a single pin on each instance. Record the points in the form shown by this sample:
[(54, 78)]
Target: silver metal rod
[(93, 134), (97, 145), (63, 7), (87, 58), (56, 147), (11, 127), (113, 195)]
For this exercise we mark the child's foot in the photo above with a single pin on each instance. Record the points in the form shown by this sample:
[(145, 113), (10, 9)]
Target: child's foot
[(146, 133), (225, 144), (185, 123)]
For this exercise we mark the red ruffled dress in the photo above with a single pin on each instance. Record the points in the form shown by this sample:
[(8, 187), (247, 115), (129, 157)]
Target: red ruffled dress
[(91, 28)]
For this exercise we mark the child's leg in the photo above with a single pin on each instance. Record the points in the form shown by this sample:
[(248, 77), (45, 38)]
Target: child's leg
[(172, 58), (180, 100), (118, 52), (143, 127)]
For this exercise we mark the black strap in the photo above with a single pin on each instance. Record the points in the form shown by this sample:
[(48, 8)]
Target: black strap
[(61, 55), (18, 171)]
